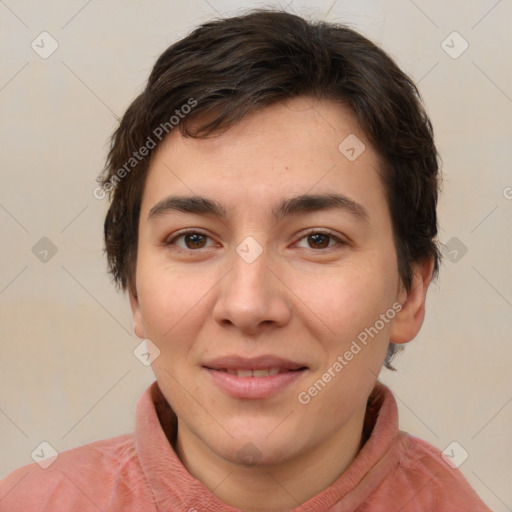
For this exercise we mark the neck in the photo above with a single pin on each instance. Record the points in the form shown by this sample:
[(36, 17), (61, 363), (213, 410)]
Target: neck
[(278, 486)]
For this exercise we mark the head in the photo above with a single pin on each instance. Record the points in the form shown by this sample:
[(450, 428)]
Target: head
[(302, 163)]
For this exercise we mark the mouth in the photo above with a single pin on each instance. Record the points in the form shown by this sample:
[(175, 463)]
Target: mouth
[(264, 372), (253, 378)]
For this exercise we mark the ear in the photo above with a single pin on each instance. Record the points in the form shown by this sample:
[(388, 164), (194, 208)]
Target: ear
[(136, 314), (409, 319)]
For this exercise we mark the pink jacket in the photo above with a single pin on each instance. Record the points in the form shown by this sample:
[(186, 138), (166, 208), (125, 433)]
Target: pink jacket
[(140, 472)]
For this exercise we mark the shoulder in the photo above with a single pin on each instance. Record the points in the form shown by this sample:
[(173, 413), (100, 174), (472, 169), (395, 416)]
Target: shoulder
[(429, 481), (80, 479)]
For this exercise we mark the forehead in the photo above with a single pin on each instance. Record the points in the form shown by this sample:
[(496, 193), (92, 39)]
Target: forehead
[(301, 146)]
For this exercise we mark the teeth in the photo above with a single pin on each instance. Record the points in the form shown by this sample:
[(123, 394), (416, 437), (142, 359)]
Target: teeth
[(253, 373), (261, 373)]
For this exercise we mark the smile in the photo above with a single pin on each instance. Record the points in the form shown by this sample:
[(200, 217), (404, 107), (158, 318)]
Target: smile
[(265, 372), (250, 384)]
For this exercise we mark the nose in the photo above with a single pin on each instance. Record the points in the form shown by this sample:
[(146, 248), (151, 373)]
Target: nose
[(252, 297)]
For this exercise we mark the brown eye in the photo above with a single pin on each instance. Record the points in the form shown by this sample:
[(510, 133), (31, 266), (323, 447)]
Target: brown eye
[(190, 240), (195, 240), (318, 240), (321, 241)]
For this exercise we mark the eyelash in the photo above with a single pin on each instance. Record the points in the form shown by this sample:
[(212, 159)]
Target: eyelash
[(328, 233)]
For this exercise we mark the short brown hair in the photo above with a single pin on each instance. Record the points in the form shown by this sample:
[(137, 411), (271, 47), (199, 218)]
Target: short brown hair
[(238, 65)]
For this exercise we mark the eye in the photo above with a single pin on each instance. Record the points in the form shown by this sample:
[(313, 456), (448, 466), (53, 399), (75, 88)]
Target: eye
[(321, 240), (191, 240)]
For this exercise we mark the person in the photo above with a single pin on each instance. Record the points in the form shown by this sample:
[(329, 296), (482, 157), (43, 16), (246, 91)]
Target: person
[(273, 221)]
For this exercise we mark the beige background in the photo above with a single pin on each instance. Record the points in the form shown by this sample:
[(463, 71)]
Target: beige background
[(67, 372)]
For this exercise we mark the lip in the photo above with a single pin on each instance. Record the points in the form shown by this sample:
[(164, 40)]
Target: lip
[(253, 387), (252, 363)]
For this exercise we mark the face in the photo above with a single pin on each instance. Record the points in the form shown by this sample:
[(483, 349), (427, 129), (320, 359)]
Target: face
[(254, 292)]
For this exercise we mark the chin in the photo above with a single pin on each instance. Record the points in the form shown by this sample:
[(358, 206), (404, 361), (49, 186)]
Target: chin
[(257, 451)]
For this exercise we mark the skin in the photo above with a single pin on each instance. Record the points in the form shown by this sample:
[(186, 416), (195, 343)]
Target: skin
[(304, 299)]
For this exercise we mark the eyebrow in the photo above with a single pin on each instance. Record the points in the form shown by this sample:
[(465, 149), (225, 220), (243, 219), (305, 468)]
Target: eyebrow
[(303, 204)]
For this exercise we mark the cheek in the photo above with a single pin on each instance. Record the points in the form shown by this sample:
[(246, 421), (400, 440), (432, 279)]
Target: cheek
[(169, 303), (344, 300)]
